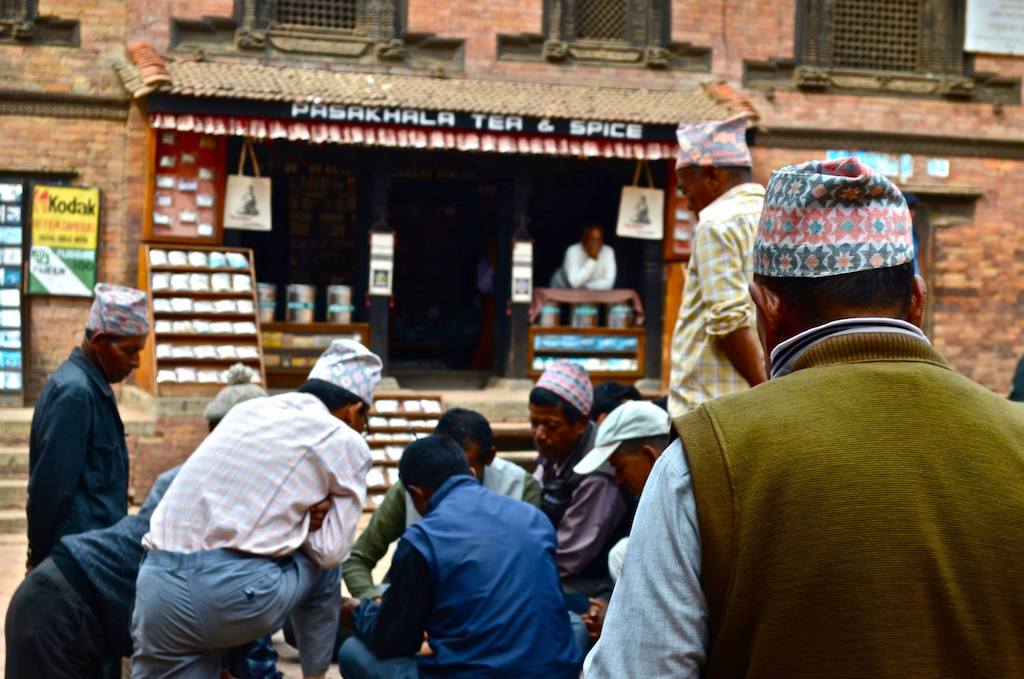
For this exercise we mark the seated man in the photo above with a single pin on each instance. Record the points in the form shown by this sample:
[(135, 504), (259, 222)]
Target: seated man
[(631, 440), (73, 612), (589, 512), (588, 265), (231, 556), (477, 574), (397, 512)]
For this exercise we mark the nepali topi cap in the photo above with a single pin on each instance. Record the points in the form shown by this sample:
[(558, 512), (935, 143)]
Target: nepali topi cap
[(631, 420), (721, 143), (831, 217), (570, 382), (118, 311), (351, 366)]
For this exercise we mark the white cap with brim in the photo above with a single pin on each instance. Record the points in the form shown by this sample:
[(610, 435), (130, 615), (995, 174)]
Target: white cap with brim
[(631, 420)]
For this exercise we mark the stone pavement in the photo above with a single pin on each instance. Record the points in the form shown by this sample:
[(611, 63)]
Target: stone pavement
[(12, 569)]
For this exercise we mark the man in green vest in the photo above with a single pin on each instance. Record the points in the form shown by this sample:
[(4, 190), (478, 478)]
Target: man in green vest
[(859, 514)]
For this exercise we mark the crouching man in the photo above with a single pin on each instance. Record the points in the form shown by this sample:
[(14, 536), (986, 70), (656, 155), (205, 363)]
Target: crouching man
[(231, 555), (477, 574)]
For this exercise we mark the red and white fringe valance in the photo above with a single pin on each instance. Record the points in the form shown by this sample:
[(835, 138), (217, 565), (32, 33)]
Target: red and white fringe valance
[(411, 138)]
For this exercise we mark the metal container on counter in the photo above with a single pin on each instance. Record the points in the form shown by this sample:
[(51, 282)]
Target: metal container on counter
[(584, 316), (620, 316), (301, 303), (339, 304), (268, 301), (550, 315)]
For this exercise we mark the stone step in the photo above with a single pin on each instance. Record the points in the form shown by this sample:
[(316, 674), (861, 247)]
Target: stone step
[(13, 493), (16, 424), (13, 462), (527, 459), (13, 522)]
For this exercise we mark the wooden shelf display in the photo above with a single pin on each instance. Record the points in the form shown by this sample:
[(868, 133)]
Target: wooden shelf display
[(606, 353), (291, 349), (204, 318), (185, 187), (396, 420)]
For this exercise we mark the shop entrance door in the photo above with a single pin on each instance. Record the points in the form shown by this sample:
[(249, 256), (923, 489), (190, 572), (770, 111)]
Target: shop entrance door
[(443, 315)]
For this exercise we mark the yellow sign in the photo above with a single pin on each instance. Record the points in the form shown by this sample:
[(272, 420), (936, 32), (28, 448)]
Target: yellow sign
[(65, 228), (65, 217)]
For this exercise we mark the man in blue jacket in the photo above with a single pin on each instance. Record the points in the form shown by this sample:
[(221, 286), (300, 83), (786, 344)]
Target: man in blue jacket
[(477, 575), (78, 459)]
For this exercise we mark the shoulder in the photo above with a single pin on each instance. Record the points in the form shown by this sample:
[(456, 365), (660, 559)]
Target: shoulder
[(506, 468), (69, 384), (607, 251)]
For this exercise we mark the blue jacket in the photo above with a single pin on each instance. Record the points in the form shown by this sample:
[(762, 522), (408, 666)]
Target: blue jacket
[(78, 459), (499, 609)]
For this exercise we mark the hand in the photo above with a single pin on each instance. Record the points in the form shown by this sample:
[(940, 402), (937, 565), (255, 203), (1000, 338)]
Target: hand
[(594, 618), (317, 513), (425, 648), (348, 609)]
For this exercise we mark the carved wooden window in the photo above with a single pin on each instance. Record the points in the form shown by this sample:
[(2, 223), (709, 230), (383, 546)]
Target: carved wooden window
[(921, 36), (330, 14), (16, 10), (636, 23)]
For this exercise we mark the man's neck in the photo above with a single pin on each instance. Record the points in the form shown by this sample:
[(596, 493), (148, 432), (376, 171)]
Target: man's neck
[(90, 355)]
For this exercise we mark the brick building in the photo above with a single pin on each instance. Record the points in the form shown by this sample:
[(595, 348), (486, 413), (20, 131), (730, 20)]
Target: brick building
[(889, 80)]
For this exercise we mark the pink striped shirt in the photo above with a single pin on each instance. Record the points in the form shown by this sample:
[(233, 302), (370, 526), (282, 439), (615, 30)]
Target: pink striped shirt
[(250, 484)]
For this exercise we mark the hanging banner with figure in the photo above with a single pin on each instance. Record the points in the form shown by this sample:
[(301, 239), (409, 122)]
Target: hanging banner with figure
[(65, 231)]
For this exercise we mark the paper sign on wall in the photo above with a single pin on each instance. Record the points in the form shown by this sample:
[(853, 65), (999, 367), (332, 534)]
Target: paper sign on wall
[(522, 272), (382, 263), (65, 230)]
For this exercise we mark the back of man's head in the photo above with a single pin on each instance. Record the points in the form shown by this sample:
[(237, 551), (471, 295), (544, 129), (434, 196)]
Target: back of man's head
[(609, 396), (466, 427), (428, 462)]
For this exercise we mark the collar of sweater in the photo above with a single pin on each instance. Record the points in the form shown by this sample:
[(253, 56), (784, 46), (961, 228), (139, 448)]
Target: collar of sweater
[(865, 339)]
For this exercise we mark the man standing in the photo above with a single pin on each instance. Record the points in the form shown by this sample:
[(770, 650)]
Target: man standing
[(590, 513), (857, 516), (78, 459), (715, 350), (588, 265), (231, 554), (477, 574), (397, 512)]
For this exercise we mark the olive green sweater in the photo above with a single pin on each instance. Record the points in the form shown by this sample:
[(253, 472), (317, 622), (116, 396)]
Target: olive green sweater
[(862, 517)]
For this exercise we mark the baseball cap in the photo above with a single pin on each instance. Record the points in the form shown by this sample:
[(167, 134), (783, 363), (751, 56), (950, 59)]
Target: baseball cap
[(631, 420)]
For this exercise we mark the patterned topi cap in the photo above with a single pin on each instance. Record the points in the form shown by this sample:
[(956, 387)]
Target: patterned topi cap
[(118, 311), (831, 217), (571, 382), (722, 143), (351, 366)]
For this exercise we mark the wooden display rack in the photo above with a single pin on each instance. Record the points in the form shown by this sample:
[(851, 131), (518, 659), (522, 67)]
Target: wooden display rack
[(297, 345), (151, 364), (388, 452), (596, 375)]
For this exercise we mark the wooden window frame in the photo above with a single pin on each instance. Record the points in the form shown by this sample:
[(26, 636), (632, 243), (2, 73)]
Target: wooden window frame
[(28, 27)]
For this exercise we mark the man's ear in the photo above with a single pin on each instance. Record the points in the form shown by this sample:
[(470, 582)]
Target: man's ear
[(489, 458), (918, 299), (651, 453), (770, 312)]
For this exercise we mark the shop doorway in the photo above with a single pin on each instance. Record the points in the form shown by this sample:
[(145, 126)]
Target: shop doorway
[(443, 315)]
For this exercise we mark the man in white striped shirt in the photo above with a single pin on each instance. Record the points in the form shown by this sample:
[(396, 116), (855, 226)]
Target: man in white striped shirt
[(232, 553)]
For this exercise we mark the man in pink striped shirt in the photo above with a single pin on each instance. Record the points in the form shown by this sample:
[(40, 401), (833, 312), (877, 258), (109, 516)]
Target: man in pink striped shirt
[(231, 551)]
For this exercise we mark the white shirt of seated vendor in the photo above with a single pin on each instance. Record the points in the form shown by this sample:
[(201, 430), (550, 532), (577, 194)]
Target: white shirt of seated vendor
[(581, 269)]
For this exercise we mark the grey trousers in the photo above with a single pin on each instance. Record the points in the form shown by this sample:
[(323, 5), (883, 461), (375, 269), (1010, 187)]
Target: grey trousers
[(189, 607)]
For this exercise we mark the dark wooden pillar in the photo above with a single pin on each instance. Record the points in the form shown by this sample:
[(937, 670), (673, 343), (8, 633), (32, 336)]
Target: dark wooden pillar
[(379, 306), (519, 318), (653, 295)]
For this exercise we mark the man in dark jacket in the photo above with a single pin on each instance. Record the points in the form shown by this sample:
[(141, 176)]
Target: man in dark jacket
[(477, 574), (78, 459)]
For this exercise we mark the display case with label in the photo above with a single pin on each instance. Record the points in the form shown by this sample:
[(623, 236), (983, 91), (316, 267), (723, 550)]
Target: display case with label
[(291, 349), (204, 317), (606, 353)]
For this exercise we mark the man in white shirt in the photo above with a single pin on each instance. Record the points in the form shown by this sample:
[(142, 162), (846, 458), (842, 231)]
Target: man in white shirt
[(588, 265), (231, 553)]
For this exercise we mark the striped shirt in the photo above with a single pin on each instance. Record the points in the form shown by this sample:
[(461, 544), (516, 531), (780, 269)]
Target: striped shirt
[(715, 299), (250, 484)]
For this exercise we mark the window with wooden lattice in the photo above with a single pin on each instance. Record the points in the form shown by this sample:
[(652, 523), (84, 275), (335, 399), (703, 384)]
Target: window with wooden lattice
[(908, 36), (635, 23), (338, 15), (16, 10)]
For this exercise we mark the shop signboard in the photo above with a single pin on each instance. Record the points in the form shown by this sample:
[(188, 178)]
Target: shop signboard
[(65, 230), (522, 272), (640, 213), (382, 263), (995, 27)]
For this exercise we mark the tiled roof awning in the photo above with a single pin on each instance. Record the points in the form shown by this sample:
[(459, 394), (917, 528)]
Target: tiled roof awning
[(325, 106)]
